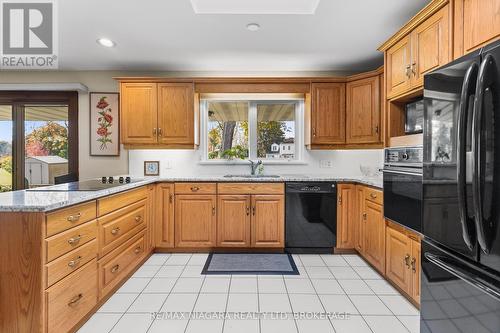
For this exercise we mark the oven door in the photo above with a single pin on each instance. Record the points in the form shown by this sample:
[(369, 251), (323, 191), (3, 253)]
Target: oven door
[(403, 197)]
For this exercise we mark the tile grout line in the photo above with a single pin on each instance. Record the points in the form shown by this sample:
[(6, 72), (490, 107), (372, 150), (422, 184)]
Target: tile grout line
[(290, 302), (319, 298), (227, 302)]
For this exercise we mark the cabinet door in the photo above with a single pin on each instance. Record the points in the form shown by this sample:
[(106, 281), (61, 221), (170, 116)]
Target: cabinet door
[(195, 220), (363, 111), (233, 221), (359, 230), (176, 113), (328, 113), (477, 23), (138, 103), (164, 222), (397, 66), (346, 216), (268, 221), (398, 259), (375, 235), (415, 267), (430, 45)]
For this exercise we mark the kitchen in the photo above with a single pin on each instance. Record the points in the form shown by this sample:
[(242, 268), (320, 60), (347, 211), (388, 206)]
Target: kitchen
[(238, 188)]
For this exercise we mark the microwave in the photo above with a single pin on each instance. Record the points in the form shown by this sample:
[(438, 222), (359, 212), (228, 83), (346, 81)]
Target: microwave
[(414, 115)]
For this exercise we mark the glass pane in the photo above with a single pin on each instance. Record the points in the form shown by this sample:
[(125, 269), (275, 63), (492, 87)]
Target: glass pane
[(46, 144), (276, 131), (227, 130), (6, 132)]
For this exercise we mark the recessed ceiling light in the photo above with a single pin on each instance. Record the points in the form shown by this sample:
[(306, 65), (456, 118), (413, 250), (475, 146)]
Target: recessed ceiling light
[(253, 26), (106, 42)]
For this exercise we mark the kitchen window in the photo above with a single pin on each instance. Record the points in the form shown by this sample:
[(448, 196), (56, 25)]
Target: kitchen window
[(256, 129)]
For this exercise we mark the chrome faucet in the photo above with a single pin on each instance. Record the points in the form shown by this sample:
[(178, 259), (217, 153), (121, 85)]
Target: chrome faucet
[(254, 166)]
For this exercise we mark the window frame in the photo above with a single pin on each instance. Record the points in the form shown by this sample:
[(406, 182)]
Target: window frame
[(252, 130)]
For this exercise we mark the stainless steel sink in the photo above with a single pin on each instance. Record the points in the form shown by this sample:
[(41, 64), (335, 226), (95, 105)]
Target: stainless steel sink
[(251, 176)]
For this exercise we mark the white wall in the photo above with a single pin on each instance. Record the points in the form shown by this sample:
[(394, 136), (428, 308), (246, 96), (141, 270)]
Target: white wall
[(186, 162)]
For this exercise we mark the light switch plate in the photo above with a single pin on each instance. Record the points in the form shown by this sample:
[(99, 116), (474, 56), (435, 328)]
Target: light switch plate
[(326, 164)]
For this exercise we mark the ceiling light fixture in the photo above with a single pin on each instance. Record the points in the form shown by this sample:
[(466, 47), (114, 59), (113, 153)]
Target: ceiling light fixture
[(106, 42), (253, 26)]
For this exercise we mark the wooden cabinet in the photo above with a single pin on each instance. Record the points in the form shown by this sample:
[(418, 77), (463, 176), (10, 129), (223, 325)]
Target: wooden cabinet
[(176, 113), (233, 220), (268, 221), (403, 260), (359, 225), (158, 114), (363, 110), (164, 221), (374, 245), (195, 220), (138, 110), (477, 22), (328, 113), (346, 215), (421, 50)]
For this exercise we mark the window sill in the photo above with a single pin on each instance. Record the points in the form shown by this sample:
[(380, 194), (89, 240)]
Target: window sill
[(246, 162)]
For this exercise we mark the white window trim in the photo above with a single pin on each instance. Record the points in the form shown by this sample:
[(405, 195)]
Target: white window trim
[(252, 124)]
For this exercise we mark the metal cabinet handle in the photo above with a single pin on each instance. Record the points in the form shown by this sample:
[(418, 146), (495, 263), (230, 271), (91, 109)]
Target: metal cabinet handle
[(248, 210), (74, 262), (340, 200), (115, 268), (75, 299), (154, 131), (74, 240), (364, 216), (376, 129), (138, 218), (414, 69), (373, 195), (195, 188), (414, 265), (314, 131), (115, 231), (138, 250), (160, 132), (74, 218), (253, 210), (171, 198), (408, 71), (213, 210), (407, 260)]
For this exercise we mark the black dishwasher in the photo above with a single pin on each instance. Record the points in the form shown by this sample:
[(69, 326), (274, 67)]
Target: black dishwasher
[(310, 217)]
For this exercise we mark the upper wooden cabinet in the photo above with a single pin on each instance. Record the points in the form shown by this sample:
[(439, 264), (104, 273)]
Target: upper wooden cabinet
[(158, 115), (477, 23), (176, 113), (138, 111), (346, 204), (363, 110), (423, 49), (328, 113)]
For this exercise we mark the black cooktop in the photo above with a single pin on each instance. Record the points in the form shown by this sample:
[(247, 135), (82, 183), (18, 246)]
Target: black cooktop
[(87, 185)]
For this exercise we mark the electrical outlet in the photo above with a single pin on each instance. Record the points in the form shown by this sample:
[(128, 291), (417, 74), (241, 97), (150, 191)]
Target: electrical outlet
[(326, 164)]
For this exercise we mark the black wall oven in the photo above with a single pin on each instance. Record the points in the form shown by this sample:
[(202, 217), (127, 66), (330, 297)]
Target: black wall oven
[(403, 186)]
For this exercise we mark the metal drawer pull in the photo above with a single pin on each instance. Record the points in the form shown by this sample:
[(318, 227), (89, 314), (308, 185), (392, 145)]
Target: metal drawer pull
[(74, 262), (414, 265), (248, 210), (407, 260), (364, 216), (75, 299), (74, 240), (373, 195), (138, 250), (74, 218), (195, 188), (115, 231), (138, 218), (115, 268)]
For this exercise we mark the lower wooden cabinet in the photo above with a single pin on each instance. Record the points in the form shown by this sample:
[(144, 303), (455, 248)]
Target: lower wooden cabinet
[(195, 220), (233, 221), (359, 222), (268, 221), (403, 260), (346, 215), (164, 221), (374, 240)]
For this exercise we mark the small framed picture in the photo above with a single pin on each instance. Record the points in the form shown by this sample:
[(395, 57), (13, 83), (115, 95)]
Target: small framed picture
[(151, 168), (104, 124)]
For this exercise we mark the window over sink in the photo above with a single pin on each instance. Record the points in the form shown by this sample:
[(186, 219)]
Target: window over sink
[(236, 127)]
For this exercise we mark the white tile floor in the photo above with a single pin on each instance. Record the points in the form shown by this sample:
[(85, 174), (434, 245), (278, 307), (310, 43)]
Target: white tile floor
[(172, 283)]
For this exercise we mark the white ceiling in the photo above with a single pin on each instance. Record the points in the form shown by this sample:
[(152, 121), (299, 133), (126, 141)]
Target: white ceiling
[(166, 35)]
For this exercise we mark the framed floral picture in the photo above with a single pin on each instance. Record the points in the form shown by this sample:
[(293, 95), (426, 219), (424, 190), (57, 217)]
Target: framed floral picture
[(151, 168), (104, 124)]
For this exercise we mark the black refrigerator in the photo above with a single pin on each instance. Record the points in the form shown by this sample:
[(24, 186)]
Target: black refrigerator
[(460, 278)]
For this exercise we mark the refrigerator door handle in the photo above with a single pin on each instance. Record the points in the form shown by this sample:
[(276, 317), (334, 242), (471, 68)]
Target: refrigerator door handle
[(467, 276), (468, 89), (477, 143)]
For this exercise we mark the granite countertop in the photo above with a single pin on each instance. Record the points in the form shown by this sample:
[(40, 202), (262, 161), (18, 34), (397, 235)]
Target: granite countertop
[(41, 201)]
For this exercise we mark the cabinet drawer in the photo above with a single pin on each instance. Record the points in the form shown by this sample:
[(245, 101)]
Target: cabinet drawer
[(373, 195), (69, 300), (117, 227), (108, 204), (115, 266), (70, 262), (70, 217), (251, 188), (195, 188), (69, 240)]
